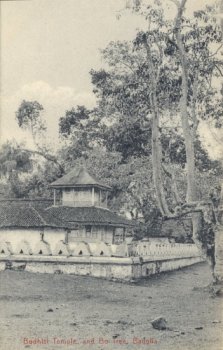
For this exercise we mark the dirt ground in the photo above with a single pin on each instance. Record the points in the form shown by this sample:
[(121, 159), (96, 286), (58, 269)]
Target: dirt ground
[(74, 312)]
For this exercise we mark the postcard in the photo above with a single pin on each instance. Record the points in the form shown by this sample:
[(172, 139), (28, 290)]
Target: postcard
[(111, 231)]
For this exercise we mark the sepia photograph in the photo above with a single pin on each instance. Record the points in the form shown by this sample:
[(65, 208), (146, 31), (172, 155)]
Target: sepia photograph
[(111, 175)]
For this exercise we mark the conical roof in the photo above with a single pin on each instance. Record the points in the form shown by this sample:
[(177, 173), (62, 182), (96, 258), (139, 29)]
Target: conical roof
[(78, 177)]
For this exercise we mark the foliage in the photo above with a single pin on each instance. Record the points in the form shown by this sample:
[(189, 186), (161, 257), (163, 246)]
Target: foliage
[(15, 163), (115, 140), (13, 159), (37, 184), (28, 116), (75, 119)]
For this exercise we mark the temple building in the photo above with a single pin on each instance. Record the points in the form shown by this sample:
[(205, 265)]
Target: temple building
[(76, 233), (77, 214), (81, 201)]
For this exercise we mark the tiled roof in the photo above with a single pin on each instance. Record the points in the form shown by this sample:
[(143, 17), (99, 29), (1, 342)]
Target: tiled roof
[(37, 202), (88, 215), (19, 213), (78, 177), (16, 213)]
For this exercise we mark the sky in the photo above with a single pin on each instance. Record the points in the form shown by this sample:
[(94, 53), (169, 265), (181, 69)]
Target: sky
[(48, 48)]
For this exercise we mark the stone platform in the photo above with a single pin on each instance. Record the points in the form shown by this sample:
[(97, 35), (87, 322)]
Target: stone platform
[(121, 268)]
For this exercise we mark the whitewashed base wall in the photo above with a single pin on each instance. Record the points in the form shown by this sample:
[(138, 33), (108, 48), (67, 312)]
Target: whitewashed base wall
[(26, 250), (105, 267)]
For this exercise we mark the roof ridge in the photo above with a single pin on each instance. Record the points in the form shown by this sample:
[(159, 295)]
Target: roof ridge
[(38, 214), (26, 199), (78, 177), (70, 214)]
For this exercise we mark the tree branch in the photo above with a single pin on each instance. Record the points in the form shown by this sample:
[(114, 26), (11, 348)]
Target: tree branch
[(219, 70), (174, 185), (48, 157), (219, 48)]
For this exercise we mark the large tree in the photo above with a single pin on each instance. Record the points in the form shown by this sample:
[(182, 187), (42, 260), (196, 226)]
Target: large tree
[(189, 45), (151, 100), (164, 82), (198, 65)]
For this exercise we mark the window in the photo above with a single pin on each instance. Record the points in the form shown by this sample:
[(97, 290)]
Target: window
[(118, 236), (73, 235), (88, 228)]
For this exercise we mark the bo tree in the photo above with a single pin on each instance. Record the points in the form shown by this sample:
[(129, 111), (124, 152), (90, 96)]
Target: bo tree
[(198, 66), (189, 45), (169, 73)]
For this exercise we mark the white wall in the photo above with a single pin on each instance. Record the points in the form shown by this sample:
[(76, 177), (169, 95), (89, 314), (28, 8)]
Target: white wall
[(15, 236), (67, 197), (161, 249), (31, 236), (82, 197), (78, 197), (106, 267), (53, 236)]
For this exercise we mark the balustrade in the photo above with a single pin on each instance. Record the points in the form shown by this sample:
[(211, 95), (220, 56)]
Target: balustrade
[(178, 250)]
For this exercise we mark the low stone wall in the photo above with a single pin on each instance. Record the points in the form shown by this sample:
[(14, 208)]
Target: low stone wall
[(42, 247), (148, 268), (105, 267), (155, 249), (162, 249), (124, 261)]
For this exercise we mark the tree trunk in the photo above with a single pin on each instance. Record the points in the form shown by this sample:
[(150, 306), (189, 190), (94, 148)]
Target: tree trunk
[(156, 145), (218, 268), (157, 161), (187, 133)]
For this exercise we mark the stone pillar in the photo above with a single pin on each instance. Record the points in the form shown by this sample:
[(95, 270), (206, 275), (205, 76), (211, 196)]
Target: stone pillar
[(92, 196), (100, 201)]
